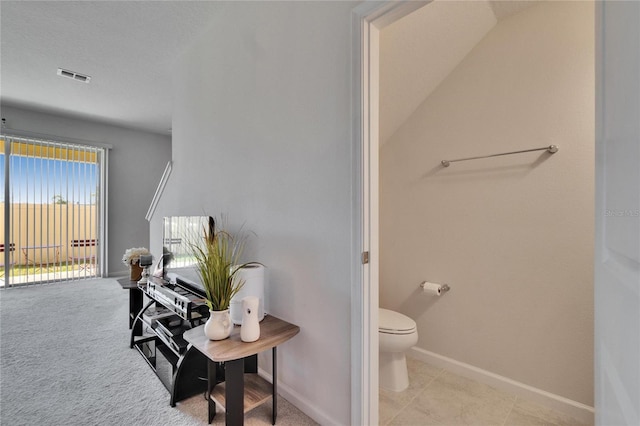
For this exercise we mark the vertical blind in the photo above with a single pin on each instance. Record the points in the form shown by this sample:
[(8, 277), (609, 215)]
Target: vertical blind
[(53, 210)]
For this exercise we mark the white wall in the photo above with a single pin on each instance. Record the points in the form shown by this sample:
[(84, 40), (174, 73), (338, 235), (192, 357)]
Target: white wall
[(617, 257), (261, 132), (513, 236), (418, 37), (136, 163)]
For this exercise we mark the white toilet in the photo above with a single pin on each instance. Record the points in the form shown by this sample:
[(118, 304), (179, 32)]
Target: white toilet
[(397, 333)]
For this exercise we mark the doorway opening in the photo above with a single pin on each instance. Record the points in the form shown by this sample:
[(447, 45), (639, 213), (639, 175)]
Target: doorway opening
[(372, 25), (53, 203)]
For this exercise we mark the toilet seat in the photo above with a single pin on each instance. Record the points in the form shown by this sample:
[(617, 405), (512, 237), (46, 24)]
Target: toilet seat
[(391, 322)]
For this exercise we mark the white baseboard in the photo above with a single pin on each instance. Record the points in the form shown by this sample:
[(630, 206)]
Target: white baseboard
[(301, 403), (577, 410)]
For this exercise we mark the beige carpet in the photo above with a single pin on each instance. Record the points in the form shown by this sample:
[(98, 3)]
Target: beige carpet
[(65, 360)]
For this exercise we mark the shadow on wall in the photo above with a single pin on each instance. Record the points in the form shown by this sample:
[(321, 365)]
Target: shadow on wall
[(418, 303), (479, 173)]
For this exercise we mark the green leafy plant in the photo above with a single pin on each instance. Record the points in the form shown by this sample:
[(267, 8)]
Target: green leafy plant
[(217, 259), (58, 199)]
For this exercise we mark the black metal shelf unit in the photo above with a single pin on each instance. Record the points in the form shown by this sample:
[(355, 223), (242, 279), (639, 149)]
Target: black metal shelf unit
[(158, 338)]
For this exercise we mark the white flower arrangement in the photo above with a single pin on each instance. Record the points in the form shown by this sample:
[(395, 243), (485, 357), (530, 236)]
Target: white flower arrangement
[(132, 255)]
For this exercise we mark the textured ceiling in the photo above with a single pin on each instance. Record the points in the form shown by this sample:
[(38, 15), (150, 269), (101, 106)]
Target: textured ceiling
[(420, 50), (127, 47)]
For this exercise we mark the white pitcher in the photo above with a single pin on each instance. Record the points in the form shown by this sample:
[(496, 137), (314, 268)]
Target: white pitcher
[(250, 328)]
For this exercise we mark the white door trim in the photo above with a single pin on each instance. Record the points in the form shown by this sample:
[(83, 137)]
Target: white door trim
[(368, 19), (617, 242)]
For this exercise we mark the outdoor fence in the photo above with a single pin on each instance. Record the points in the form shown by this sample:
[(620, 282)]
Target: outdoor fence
[(46, 234)]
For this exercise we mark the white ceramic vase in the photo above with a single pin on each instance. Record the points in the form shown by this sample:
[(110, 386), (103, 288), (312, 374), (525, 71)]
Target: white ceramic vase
[(219, 325), (250, 329)]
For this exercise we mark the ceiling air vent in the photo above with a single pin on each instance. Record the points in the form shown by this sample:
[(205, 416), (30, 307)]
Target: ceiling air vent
[(74, 75)]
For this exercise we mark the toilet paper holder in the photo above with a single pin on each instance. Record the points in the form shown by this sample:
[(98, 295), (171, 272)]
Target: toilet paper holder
[(443, 287)]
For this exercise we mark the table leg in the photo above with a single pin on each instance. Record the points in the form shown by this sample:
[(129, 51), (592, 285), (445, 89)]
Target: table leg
[(138, 318), (135, 304), (274, 384), (211, 383), (234, 396), (251, 364)]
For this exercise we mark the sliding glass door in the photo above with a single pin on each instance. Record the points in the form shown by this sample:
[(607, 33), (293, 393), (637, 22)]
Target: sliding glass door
[(53, 209)]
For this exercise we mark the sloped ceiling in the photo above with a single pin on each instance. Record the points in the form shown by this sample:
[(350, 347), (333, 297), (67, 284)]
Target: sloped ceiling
[(420, 50), (128, 49)]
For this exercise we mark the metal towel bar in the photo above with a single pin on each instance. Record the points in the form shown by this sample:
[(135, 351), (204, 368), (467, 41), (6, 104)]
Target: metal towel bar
[(552, 149)]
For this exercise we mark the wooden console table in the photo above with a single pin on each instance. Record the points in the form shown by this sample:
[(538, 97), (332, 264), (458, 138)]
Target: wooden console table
[(241, 392)]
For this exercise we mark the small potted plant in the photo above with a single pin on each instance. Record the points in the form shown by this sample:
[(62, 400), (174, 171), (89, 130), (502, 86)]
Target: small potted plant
[(217, 262), (131, 258)]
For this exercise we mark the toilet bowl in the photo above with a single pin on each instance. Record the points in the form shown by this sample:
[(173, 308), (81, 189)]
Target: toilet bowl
[(396, 333)]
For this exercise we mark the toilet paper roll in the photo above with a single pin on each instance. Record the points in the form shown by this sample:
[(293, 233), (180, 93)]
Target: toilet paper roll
[(432, 288)]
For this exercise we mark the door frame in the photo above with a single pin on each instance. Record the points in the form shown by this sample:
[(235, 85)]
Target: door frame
[(617, 204), (102, 151), (367, 20)]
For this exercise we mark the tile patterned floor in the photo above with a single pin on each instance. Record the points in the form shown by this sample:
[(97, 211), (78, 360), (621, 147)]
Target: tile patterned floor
[(438, 397)]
